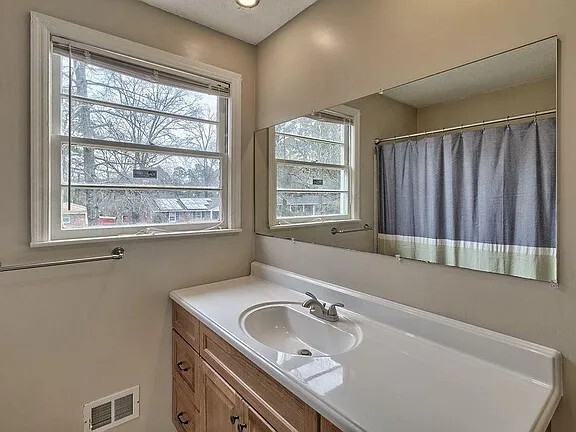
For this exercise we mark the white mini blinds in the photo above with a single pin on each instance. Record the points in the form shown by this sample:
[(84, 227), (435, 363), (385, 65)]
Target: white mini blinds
[(139, 68)]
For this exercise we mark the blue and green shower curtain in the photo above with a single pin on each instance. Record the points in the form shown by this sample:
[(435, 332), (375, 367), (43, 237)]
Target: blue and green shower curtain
[(482, 199)]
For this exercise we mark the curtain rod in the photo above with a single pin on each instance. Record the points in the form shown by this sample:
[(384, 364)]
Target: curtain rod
[(535, 114)]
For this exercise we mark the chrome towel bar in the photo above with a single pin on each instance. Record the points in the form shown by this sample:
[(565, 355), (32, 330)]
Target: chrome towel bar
[(116, 254), (335, 230)]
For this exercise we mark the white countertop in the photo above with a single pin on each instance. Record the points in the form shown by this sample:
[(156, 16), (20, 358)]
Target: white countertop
[(412, 371)]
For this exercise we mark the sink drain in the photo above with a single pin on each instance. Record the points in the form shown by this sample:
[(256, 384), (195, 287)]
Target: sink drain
[(305, 352)]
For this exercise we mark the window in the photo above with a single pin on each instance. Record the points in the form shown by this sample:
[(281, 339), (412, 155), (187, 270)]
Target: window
[(314, 170), (134, 141)]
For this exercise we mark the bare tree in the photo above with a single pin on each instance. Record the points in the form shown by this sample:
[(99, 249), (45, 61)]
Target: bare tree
[(100, 166)]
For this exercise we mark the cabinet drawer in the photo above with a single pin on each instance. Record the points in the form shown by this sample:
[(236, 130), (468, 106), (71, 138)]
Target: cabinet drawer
[(184, 413), (186, 325), (284, 411), (185, 363)]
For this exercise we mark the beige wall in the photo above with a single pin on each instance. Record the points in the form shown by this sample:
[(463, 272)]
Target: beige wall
[(511, 101), (338, 50), (70, 335), (379, 117)]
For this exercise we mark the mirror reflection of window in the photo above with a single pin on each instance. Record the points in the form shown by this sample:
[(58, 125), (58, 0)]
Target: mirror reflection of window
[(312, 161)]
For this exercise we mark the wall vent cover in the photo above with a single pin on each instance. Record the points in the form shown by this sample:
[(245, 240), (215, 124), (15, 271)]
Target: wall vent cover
[(113, 410)]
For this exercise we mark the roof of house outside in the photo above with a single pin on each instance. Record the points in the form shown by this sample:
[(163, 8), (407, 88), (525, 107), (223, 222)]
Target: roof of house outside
[(74, 209), (174, 205)]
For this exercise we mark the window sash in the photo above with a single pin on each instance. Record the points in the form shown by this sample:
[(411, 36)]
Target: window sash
[(138, 109), (120, 145), (57, 233)]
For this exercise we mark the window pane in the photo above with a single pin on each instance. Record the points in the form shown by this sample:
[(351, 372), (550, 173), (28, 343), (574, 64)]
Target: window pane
[(319, 204), (305, 177), (111, 124), (312, 128), (101, 208), (100, 83), (308, 150), (124, 167)]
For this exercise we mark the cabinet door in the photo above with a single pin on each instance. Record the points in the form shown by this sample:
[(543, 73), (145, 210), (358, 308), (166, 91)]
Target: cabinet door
[(279, 407), (253, 422), (220, 406)]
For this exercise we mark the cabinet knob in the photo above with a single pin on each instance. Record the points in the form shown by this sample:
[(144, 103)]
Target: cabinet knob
[(181, 419), (233, 418), (182, 367), (241, 427)]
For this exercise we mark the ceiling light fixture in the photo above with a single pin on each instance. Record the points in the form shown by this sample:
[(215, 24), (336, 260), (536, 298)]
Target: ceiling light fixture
[(248, 3)]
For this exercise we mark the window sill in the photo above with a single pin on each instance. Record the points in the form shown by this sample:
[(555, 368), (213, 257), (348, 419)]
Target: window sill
[(131, 237), (315, 223)]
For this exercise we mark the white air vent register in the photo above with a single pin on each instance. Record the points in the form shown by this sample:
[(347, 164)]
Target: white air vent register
[(113, 410)]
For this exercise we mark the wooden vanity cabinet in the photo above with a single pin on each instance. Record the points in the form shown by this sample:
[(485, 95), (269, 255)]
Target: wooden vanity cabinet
[(326, 426), (184, 413), (217, 389)]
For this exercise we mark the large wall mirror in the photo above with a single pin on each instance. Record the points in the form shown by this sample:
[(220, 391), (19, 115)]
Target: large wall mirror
[(458, 168)]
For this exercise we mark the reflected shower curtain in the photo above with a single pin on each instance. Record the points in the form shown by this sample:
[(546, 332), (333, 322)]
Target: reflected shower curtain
[(483, 199)]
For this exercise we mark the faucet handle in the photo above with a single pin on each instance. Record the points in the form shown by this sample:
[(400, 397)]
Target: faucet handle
[(309, 294), (332, 309)]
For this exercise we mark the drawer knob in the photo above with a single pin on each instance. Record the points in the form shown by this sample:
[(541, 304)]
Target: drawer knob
[(233, 418), (181, 365), (241, 427), (181, 419)]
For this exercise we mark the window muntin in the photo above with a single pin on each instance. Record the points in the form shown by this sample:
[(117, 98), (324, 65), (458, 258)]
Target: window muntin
[(116, 185), (300, 178), (121, 125), (122, 167), (290, 147), (312, 169)]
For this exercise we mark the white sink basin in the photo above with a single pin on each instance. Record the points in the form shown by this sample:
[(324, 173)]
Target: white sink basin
[(289, 328)]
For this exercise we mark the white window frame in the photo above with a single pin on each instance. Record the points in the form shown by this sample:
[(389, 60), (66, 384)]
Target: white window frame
[(353, 150), (44, 198)]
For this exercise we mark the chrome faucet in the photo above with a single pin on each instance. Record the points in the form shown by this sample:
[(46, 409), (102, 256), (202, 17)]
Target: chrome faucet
[(319, 309)]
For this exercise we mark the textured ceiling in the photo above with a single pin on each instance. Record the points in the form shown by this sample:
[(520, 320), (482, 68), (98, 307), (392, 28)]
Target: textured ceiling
[(526, 64), (225, 16)]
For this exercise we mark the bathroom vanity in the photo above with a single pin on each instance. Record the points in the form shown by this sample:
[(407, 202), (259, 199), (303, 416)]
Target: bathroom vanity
[(247, 356)]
